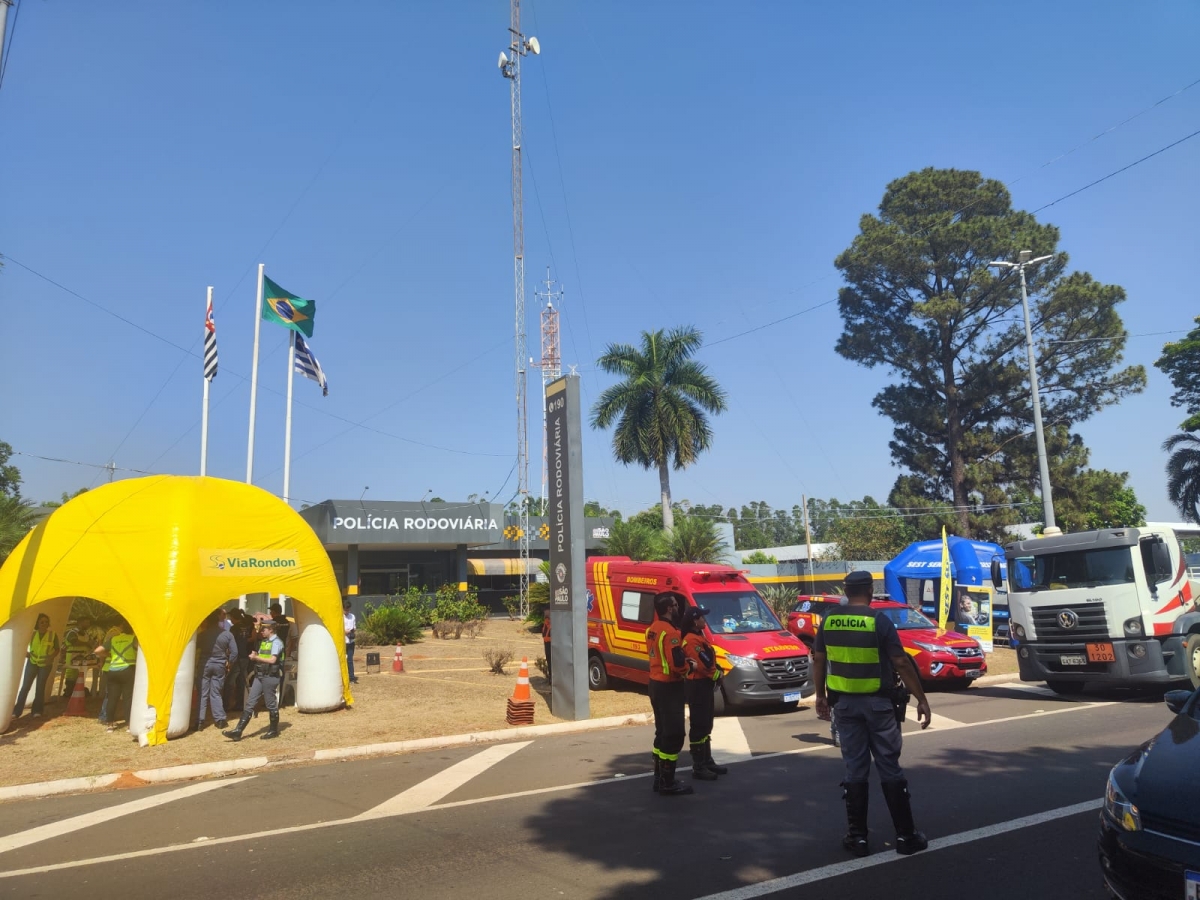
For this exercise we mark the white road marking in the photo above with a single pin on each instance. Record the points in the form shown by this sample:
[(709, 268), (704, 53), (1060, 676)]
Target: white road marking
[(941, 723), (516, 795), (882, 858), (431, 790), (729, 742), (76, 823)]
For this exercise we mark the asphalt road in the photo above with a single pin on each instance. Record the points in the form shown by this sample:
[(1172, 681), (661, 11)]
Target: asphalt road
[(1006, 785)]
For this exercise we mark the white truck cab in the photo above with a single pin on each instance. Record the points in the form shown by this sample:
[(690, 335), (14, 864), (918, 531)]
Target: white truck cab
[(1114, 606)]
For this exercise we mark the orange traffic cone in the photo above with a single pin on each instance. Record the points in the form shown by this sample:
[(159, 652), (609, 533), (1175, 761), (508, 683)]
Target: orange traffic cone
[(398, 660), (77, 705), (521, 691), (520, 706)]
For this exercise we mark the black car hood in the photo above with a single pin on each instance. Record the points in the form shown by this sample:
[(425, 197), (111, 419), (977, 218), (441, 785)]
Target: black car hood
[(1164, 779)]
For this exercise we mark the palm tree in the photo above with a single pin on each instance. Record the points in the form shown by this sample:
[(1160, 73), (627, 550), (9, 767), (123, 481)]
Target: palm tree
[(659, 407), (1183, 474), (694, 540), (633, 539)]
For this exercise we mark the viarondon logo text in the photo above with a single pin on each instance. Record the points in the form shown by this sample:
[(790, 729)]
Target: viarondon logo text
[(248, 562)]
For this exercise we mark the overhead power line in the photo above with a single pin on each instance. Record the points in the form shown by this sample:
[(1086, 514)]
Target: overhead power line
[(1118, 171)]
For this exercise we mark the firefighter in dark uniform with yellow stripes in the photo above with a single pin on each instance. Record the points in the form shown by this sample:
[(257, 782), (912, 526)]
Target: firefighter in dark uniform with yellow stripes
[(857, 656), (668, 666)]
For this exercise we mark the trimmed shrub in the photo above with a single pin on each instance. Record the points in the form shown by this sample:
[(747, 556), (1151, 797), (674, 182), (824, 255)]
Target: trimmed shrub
[(455, 612), (497, 659), (391, 623)]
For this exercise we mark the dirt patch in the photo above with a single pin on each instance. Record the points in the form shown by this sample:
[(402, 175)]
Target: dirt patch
[(446, 689), (1002, 661)]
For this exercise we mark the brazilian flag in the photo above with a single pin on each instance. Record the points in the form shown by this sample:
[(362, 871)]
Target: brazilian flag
[(286, 309)]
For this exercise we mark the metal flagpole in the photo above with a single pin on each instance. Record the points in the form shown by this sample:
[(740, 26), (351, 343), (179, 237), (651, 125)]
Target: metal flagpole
[(204, 413), (808, 543), (254, 375), (287, 434)]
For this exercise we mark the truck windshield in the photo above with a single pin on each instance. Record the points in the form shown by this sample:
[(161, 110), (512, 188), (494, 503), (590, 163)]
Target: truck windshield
[(1070, 569), (737, 612)]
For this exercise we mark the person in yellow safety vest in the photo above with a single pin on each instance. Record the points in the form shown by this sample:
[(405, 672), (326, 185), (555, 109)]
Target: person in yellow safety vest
[(120, 657), (79, 641), (39, 664), (856, 656)]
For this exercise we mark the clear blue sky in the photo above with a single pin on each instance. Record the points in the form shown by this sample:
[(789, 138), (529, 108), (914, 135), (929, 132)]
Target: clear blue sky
[(694, 163)]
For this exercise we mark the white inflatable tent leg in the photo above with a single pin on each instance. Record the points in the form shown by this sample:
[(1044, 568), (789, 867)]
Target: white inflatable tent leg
[(319, 658), (181, 699), (141, 715), (14, 641)]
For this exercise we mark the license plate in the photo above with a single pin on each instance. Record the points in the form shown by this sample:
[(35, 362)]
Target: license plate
[(1075, 659), (793, 697), (973, 673), (1101, 653), (1192, 886)]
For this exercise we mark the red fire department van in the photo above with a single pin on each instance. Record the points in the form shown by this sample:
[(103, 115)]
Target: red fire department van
[(762, 663)]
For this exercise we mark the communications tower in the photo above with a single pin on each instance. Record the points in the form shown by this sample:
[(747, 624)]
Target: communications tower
[(510, 68)]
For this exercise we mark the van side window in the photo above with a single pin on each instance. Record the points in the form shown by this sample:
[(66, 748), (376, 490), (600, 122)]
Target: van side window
[(637, 607)]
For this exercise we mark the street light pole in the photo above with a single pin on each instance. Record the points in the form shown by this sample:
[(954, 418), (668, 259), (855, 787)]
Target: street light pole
[(1023, 260)]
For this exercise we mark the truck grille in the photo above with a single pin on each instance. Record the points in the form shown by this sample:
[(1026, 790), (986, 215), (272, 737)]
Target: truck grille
[(777, 674), (1091, 622)]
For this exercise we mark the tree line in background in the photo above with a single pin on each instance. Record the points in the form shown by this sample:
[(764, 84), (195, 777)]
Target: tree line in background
[(18, 514)]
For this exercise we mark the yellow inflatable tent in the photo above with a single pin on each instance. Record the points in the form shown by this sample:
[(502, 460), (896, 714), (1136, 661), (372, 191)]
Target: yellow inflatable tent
[(164, 552)]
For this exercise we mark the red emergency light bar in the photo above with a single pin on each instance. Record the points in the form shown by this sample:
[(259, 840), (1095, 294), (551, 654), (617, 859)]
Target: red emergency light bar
[(705, 575)]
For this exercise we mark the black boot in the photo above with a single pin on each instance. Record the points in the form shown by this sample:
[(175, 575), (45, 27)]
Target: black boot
[(235, 734), (709, 764), (856, 795), (700, 772), (273, 731), (657, 773), (670, 787), (908, 839)]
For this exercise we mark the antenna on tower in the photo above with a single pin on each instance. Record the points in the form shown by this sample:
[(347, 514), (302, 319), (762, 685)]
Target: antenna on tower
[(551, 363), (510, 68)]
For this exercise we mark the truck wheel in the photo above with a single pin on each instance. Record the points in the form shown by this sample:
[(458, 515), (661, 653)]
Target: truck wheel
[(1066, 688), (597, 674), (719, 704), (1191, 654)]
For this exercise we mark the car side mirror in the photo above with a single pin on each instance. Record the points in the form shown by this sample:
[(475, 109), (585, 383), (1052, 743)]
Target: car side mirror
[(1176, 700), (997, 573)]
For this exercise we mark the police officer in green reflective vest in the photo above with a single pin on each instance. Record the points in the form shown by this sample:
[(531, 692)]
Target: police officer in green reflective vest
[(267, 659), (857, 656)]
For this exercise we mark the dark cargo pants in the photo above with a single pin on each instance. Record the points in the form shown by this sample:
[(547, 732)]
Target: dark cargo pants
[(868, 729)]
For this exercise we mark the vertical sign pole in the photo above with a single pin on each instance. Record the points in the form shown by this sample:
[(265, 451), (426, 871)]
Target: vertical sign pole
[(568, 577)]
